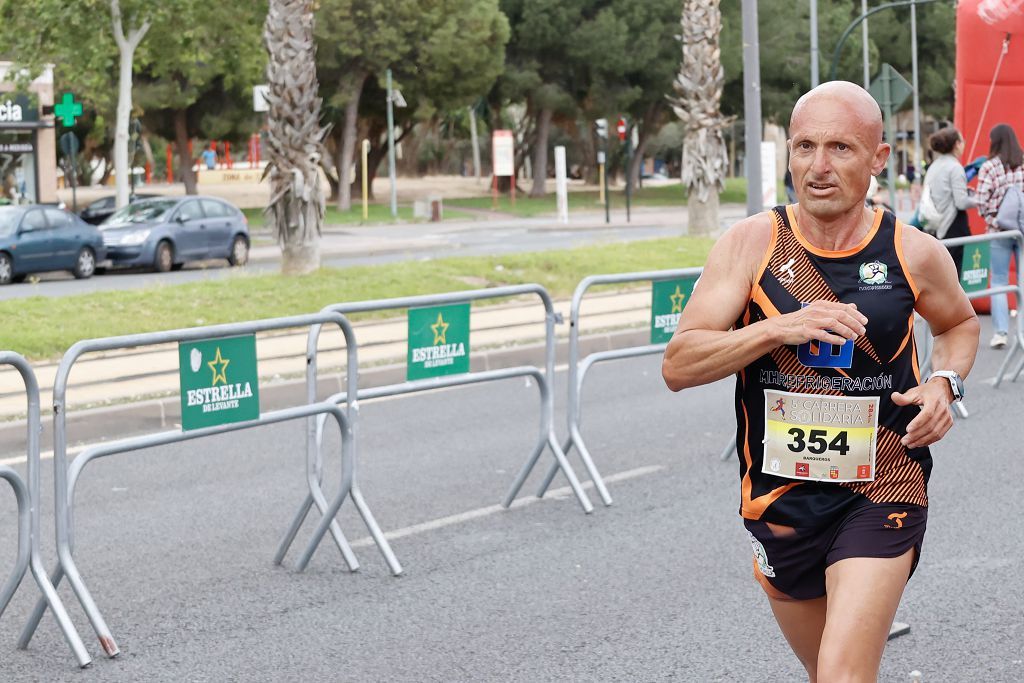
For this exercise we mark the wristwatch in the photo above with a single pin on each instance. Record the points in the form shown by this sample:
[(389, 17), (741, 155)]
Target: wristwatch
[(956, 383)]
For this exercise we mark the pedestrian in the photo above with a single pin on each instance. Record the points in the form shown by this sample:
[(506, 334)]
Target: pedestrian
[(1004, 167), (812, 307), (945, 185), (787, 180), (210, 157)]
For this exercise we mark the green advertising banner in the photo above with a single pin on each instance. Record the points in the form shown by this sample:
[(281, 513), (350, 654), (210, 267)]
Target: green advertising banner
[(438, 341), (668, 298), (974, 274), (219, 383)]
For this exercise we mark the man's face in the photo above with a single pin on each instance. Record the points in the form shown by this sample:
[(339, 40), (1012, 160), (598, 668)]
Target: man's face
[(833, 152)]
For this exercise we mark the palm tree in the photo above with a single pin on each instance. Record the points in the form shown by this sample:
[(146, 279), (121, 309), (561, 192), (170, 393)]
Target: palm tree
[(294, 135), (699, 88)]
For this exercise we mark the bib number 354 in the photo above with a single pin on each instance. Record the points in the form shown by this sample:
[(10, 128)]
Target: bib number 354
[(816, 441)]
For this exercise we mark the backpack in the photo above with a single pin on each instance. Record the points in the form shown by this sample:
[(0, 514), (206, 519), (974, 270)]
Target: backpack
[(1011, 210), (927, 211)]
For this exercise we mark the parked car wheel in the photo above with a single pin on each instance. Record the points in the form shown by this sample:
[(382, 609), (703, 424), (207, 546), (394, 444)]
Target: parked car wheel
[(85, 264), (6, 269), (164, 259), (239, 251)]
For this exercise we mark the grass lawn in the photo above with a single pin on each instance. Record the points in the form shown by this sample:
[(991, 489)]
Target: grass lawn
[(44, 328)]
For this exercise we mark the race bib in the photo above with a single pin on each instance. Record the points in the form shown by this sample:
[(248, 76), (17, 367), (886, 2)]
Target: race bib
[(819, 438)]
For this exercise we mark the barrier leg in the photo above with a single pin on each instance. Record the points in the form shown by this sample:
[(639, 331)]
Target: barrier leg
[(56, 576), (99, 625), (577, 439), (553, 470), (570, 474), (729, 450), (51, 598), (961, 410), (524, 472), (335, 529), (24, 536), (375, 532), (1011, 353)]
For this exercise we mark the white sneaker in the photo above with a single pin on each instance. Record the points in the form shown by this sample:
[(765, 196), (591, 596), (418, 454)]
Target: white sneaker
[(998, 340)]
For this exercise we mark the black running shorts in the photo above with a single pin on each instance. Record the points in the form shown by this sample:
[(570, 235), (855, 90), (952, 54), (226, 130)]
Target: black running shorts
[(790, 562)]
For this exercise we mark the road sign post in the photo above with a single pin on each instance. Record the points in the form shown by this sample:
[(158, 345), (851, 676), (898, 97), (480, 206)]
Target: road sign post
[(69, 145), (624, 136)]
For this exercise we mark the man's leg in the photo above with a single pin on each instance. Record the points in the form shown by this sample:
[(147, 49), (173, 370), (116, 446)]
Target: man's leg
[(802, 622), (863, 594)]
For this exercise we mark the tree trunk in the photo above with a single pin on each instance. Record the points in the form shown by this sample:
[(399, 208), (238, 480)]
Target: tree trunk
[(354, 91), (540, 153), (702, 217), (181, 138), (126, 48), (294, 135), (644, 136), (475, 141)]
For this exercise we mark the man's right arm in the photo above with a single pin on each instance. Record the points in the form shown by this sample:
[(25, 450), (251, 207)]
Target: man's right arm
[(705, 349)]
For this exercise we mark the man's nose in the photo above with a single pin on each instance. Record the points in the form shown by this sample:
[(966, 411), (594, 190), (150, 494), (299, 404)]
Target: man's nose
[(821, 164)]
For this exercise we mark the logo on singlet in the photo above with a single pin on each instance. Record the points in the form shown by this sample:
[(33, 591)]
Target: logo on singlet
[(820, 354), (873, 276), (786, 273), (761, 556), (897, 517)]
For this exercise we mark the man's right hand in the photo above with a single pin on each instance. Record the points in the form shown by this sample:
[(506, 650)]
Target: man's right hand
[(826, 321)]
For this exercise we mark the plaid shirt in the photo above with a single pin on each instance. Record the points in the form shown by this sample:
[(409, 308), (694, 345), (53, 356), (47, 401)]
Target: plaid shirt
[(993, 181)]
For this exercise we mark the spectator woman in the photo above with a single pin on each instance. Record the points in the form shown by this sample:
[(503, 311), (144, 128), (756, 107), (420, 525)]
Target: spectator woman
[(1005, 167), (947, 184)]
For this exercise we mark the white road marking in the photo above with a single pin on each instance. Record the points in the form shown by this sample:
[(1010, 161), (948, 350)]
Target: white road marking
[(469, 515)]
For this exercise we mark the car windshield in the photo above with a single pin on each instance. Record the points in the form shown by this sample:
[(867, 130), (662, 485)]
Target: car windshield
[(140, 212), (8, 219)]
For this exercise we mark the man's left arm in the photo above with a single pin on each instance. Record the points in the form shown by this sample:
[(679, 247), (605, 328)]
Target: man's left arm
[(954, 325)]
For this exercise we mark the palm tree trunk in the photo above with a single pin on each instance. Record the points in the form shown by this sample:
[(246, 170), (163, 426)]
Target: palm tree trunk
[(294, 135)]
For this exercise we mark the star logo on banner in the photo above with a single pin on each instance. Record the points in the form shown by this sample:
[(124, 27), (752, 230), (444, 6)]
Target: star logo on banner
[(677, 300), (223, 363), (440, 328), (976, 256)]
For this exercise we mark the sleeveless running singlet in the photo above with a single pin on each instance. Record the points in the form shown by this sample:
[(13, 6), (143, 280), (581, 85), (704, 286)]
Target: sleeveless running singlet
[(874, 276)]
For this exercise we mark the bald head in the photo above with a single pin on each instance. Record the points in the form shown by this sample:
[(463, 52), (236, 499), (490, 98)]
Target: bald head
[(849, 97)]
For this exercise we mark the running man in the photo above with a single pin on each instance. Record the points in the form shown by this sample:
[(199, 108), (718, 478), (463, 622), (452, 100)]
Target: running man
[(822, 486)]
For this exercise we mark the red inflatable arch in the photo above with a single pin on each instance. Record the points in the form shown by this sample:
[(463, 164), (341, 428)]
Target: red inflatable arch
[(982, 28)]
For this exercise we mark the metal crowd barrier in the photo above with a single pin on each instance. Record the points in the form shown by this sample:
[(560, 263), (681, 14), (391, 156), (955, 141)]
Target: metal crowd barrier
[(66, 478), (578, 371), (28, 497), (543, 377)]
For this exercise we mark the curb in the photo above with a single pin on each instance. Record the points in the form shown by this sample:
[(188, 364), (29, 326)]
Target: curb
[(97, 425)]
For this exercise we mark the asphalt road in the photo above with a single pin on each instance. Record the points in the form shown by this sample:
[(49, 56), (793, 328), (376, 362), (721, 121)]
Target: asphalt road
[(391, 244), (176, 545)]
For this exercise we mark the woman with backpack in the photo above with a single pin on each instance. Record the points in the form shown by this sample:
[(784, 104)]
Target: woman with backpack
[(1004, 168), (945, 200)]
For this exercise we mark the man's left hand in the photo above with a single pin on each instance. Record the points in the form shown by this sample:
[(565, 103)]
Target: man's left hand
[(934, 420)]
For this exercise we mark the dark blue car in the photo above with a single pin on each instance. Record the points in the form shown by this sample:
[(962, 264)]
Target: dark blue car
[(164, 234), (37, 238)]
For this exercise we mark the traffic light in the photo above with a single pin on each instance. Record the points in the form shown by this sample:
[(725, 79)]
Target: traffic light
[(620, 127), (601, 126)]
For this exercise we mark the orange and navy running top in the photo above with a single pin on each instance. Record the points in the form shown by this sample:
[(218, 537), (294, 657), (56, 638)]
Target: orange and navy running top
[(874, 276)]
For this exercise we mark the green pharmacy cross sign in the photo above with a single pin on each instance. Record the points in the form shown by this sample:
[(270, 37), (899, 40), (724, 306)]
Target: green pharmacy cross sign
[(438, 341), (68, 109), (219, 382), (668, 298)]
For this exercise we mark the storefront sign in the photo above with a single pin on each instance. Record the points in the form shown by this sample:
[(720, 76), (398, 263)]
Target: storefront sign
[(17, 109), (16, 148)]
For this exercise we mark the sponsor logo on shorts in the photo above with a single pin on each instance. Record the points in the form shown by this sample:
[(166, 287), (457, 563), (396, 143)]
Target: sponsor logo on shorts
[(761, 556), (803, 469), (863, 471), (898, 518), (833, 472)]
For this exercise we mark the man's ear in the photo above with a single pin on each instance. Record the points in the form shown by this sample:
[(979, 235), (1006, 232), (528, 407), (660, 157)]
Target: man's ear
[(881, 156)]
